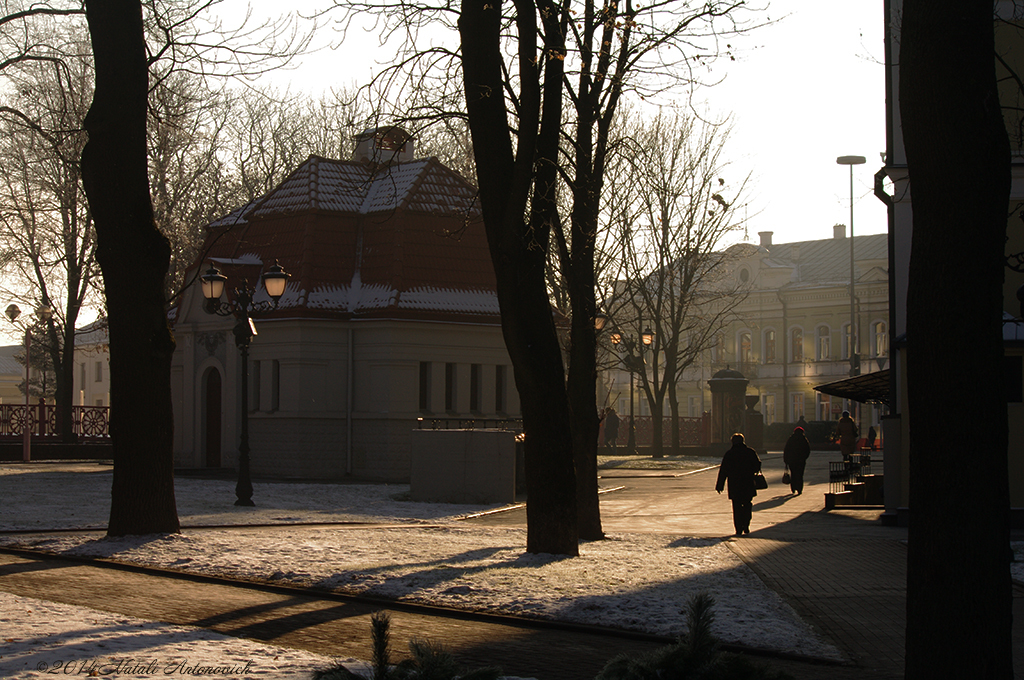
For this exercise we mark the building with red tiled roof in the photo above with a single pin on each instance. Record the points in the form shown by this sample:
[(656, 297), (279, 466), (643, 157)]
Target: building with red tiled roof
[(390, 315)]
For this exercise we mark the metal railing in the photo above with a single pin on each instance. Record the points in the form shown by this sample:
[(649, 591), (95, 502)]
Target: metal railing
[(692, 431), (511, 424), (841, 473), (88, 422)]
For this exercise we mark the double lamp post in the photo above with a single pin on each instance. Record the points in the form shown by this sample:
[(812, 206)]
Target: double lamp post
[(243, 307), (634, 364)]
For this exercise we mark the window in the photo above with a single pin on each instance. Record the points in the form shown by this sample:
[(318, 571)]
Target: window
[(769, 346), (450, 376), (275, 385), (694, 409), (474, 388), (826, 406), (797, 344), (425, 386), (718, 354), (824, 343), (99, 371), (254, 386), (880, 339), (500, 378), (746, 348), (768, 408), (798, 405), (846, 341)]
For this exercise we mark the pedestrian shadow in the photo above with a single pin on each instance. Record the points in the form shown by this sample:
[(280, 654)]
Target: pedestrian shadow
[(774, 502)]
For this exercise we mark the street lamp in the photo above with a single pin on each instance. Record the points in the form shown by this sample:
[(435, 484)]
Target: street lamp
[(243, 308), (633, 361), (42, 314), (854, 358)]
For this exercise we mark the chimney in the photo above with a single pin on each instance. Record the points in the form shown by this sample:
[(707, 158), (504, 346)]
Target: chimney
[(383, 146), (839, 231), (766, 239)]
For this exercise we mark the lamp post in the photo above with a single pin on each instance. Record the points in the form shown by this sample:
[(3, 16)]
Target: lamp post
[(633, 360), (243, 308), (854, 358), (42, 314)]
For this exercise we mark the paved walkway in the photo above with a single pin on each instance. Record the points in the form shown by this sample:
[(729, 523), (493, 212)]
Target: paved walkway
[(842, 571)]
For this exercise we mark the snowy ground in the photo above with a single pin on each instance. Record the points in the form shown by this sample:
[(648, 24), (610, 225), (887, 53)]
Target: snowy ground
[(422, 554)]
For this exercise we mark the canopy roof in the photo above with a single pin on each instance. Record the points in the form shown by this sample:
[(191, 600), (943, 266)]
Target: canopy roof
[(870, 388)]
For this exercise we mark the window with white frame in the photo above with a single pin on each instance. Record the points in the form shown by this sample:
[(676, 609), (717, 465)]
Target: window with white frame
[(797, 399), (796, 344), (879, 339), (769, 346), (768, 408), (847, 344), (746, 345), (824, 343), (694, 410)]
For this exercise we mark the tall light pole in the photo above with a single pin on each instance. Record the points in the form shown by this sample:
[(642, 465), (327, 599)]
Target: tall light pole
[(854, 358), (243, 308), (42, 314)]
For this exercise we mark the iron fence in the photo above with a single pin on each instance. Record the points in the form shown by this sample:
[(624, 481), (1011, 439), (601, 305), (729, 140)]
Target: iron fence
[(88, 422)]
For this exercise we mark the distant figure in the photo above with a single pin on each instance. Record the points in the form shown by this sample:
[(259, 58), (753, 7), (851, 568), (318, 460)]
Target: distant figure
[(739, 465), (846, 430), (872, 435), (611, 428), (795, 455), (802, 423)]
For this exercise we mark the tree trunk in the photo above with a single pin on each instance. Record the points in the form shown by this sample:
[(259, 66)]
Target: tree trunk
[(582, 386), (518, 252), (134, 257), (958, 159)]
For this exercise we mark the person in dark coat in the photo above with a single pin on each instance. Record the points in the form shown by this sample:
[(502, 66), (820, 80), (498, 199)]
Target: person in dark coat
[(795, 455), (846, 433), (611, 428), (739, 465)]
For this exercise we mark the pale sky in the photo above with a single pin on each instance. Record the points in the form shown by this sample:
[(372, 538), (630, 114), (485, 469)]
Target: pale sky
[(802, 92)]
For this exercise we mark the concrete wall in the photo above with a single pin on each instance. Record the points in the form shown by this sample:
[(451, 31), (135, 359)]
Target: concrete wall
[(463, 466)]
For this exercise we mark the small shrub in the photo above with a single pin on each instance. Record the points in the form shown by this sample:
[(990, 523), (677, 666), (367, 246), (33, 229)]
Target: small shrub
[(695, 657), (430, 661)]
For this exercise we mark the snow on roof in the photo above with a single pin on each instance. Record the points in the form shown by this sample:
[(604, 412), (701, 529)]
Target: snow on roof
[(351, 187), (437, 299), (404, 239), (248, 258)]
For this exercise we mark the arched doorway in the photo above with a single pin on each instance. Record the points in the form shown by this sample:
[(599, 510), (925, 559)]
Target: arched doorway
[(212, 416)]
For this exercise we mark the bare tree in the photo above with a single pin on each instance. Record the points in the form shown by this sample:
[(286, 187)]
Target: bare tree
[(191, 185), (45, 224), (542, 82), (673, 273)]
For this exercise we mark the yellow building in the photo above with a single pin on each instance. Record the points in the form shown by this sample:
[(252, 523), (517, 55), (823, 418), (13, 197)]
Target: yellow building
[(793, 331)]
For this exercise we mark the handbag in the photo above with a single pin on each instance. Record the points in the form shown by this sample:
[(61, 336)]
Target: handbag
[(760, 482), (785, 476)]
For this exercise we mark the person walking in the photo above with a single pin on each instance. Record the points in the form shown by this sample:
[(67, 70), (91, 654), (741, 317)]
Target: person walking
[(739, 465), (846, 429), (795, 455), (611, 428), (872, 436)]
